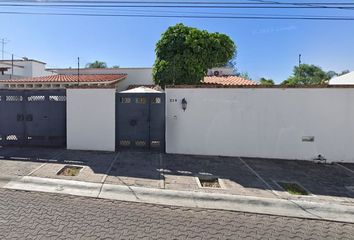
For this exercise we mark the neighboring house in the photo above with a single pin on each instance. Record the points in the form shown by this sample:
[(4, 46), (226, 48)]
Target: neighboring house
[(23, 68), (225, 76), (228, 81), (66, 81), (346, 79), (120, 78), (134, 75)]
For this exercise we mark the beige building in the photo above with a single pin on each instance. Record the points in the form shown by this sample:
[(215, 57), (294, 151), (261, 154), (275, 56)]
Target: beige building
[(119, 78)]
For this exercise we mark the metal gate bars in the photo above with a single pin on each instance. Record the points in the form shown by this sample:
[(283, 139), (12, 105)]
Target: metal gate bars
[(140, 121), (33, 117)]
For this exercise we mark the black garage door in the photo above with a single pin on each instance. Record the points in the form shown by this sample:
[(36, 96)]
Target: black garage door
[(33, 117)]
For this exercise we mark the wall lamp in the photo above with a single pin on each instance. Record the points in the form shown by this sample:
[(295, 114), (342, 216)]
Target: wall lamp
[(184, 104)]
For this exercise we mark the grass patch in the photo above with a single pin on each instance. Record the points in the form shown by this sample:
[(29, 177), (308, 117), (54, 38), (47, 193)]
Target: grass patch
[(209, 182), (69, 171), (293, 188)]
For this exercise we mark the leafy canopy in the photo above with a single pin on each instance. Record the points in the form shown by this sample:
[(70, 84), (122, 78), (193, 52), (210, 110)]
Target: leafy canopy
[(184, 54), (306, 74), (96, 64), (244, 75), (264, 81)]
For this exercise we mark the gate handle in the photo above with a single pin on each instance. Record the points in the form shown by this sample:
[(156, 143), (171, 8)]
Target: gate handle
[(20, 117), (133, 122), (29, 117)]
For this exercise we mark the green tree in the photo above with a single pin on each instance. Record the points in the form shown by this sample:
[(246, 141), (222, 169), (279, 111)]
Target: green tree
[(264, 81), (115, 66), (184, 54), (343, 72), (306, 74), (96, 64), (331, 74), (244, 75)]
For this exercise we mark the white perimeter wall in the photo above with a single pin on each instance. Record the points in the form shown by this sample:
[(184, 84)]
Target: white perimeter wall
[(91, 119), (267, 123)]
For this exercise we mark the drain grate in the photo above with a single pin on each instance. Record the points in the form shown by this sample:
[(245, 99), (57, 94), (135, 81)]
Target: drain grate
[(209, 182), (293, 188), (69, 170)]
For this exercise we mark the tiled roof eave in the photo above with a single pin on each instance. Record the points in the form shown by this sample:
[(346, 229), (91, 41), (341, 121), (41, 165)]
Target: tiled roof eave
[(72, 82), (69, 79)]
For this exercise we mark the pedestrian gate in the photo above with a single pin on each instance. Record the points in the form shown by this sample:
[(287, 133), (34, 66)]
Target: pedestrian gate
[(33, 117), (141, 120)]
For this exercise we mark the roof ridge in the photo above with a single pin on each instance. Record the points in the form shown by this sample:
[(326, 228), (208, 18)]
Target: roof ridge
[(75, 74)]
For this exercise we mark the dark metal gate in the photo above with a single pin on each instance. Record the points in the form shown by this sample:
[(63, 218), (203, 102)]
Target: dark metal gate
[(33, 117), (141, 121)]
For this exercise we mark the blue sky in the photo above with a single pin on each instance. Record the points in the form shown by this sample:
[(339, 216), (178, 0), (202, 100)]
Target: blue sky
[(266, 48)]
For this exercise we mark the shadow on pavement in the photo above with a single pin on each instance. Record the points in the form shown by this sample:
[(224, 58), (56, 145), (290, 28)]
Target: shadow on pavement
[(179, 171)]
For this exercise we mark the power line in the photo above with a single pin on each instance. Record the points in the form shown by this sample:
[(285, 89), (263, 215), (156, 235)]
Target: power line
[(256, 2), (196, 12), (274, 17), (250, 6), (145, 9)]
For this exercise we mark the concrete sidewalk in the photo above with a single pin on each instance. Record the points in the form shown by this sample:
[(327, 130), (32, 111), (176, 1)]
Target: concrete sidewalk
[(281, 207), (245, 184)]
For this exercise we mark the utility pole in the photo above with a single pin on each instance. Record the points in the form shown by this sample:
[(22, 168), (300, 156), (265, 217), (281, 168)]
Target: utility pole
[(78, 71), (299, 60), (12, 66)]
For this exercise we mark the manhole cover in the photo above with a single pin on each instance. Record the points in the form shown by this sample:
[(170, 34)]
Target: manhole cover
[(293, 188), (69, 171), (209, 182)]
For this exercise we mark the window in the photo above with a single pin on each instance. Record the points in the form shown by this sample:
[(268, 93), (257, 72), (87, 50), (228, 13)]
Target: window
[(156, 100), (124, 143), (57, 98), (125, 100), (14, 98), (155, 143), (140, 143), (140, 100), (35, 98)]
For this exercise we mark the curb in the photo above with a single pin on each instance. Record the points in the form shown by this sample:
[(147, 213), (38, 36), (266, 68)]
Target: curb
[(280, 207)]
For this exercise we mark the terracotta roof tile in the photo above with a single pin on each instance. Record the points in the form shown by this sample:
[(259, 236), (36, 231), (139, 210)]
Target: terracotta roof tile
[(69, 78), (228, 80)]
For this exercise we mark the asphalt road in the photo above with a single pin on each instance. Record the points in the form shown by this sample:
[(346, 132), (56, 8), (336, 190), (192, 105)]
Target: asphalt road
[(32, 215)]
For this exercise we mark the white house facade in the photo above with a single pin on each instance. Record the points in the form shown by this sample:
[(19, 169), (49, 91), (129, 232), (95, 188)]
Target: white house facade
[(346, 79)]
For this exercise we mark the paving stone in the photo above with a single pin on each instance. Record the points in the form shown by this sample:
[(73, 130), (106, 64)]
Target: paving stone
[(178, 172), (325, 181), (136, 169), (33, 215), (237, 178), (28, 153), (95, 165)]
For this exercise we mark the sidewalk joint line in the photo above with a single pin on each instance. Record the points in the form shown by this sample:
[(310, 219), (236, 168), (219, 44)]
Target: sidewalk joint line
[(36, 169), (273, 191), (260, 178), (105, 177), (162, 176), (110, 167), (344, 167)]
